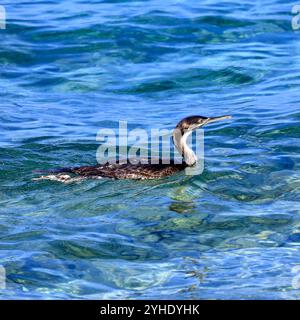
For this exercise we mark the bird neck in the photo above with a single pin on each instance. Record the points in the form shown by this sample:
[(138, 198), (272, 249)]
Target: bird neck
[(180, 142)]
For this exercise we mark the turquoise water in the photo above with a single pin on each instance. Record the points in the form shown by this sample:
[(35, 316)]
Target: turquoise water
[(70, 68)]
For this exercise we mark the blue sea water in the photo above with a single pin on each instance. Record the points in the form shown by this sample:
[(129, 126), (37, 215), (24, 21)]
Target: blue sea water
[(69, 68)]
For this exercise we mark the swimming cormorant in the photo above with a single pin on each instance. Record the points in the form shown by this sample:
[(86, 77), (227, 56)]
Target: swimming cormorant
[(139, 170)]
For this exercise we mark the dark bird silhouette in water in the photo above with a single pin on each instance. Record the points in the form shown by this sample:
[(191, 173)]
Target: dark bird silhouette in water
[(139, 170)]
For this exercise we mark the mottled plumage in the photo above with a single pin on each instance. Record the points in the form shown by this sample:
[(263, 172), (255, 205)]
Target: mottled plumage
[(129, 171)]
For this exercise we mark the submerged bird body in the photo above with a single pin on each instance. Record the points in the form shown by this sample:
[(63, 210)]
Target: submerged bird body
[(137, 170), (128, 170)]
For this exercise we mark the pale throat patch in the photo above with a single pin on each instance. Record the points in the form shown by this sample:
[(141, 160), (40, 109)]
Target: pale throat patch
[(180, 142)]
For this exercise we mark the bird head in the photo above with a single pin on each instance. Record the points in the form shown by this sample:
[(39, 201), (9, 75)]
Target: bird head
[(194, 122), (184, 128)]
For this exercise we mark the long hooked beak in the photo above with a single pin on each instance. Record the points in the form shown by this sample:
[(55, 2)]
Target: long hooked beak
[(213, 119)]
